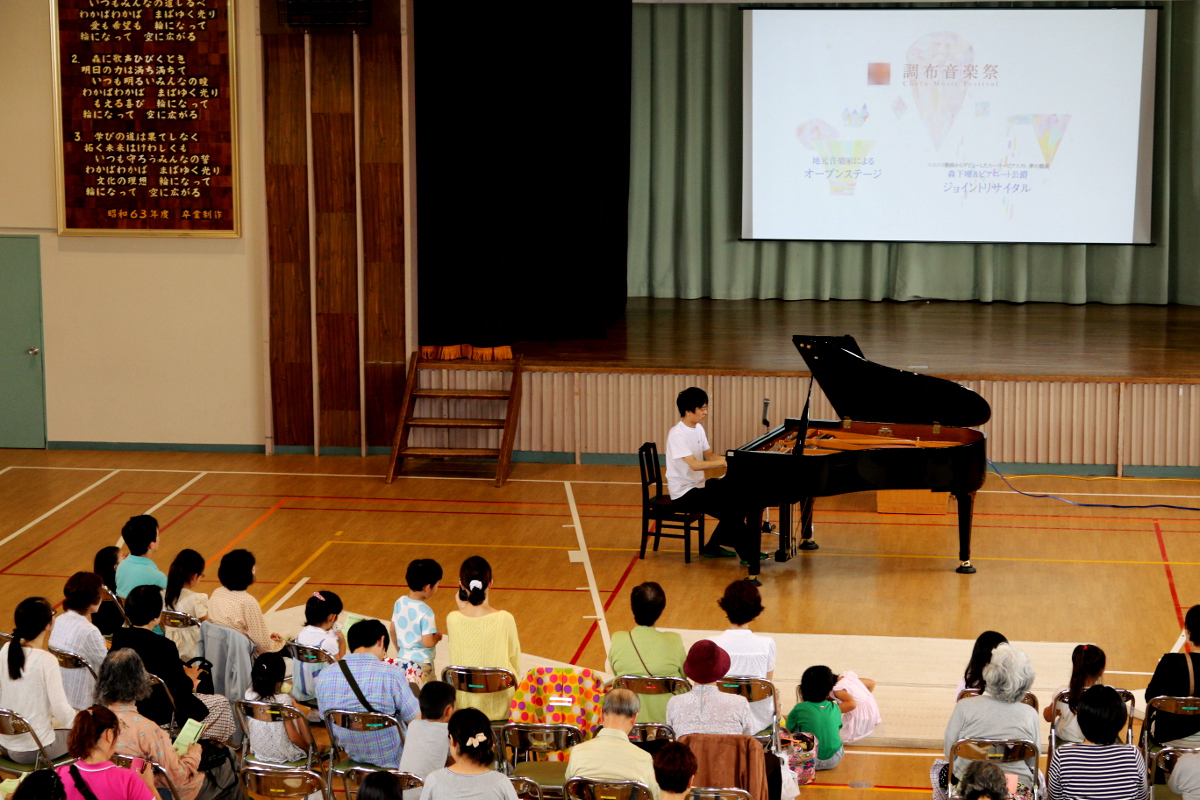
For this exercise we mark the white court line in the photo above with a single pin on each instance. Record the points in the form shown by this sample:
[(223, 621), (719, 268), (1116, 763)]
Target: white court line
[(587, 568), (287, 596), (325, 475), (57, 508)]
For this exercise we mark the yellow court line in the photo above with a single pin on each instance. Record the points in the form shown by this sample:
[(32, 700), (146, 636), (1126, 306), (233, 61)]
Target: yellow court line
[(1044, 560), (286, 581)]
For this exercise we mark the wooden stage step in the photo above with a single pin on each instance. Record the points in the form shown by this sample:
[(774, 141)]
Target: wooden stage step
[(448, 422), (490, 366), (465, 394), (449, 452)]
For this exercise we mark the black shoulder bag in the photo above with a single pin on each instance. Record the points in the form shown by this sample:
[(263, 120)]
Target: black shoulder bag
[(354, 687)]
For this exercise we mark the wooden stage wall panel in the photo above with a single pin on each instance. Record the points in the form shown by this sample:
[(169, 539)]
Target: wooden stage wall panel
[(1037, 422)]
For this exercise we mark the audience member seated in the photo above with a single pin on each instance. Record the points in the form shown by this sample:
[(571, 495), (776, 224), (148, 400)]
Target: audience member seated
[(1185, 779), (470, 777), (31, 685), (93, 740), (184, 575), (999, 713), (41, 784), (983, 780), (981, 654), (275, 742), (234, 607), (320, 621), (820, 714), (123, 683), (160, 657), (674, 770), (647, 651), (383, 686), (1087, 670), (413, 623), (75, 633), (108, 618), (482, 636), (1172, 678), (141, 537), (610, 756), (750, 655), (860, 710), (385, 786), (705, 709), (1101, 768), (427, 743)]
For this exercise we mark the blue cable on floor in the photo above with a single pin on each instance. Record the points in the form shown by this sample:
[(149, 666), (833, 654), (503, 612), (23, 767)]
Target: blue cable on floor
[(1081, 505)]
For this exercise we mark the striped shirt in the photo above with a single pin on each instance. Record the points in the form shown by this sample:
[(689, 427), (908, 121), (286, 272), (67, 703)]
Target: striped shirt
[(1098, 772)]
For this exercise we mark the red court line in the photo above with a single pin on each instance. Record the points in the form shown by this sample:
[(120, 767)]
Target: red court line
[(183, 513), (106, 503), (1162, 549), (596, 623)]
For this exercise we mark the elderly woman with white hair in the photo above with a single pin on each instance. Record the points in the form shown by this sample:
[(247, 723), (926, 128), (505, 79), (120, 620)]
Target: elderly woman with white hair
[(999, 713)]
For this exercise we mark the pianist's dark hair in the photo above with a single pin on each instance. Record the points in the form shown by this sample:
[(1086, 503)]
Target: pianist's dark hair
[(690, 399), (981, 656)]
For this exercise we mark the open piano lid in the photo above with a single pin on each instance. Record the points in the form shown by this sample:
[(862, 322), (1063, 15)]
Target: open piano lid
[(865, 391)]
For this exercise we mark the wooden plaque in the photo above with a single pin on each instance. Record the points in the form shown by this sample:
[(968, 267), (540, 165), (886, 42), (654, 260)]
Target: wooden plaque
[(146, 118)]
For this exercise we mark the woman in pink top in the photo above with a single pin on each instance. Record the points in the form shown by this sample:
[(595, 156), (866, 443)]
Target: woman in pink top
[(93, 740)]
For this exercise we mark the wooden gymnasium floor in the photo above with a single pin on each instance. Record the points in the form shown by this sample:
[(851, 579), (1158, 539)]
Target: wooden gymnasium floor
[(1047, 571)]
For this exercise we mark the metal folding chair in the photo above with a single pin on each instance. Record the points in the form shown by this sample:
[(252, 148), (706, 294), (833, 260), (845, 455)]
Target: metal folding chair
[(651, 685), (68, 660), (178, 619), (526, 789), (709, 793), (353, 778), (1029, 699), (1061, 697), (277, 714), (651, 732), (174, 725), (359, 721), (1165, 704), (590, 789), (527, 740), (754, 689), (999, 751), (1165, 761), (306, 654), (13, 724), (5, 638), (109, 594), (262, 782), (480, 680), (126, 762)]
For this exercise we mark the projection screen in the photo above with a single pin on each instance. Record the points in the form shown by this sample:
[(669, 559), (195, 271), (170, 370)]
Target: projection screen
[(956, 125)]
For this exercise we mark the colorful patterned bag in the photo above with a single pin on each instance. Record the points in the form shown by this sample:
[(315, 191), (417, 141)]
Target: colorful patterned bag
[(569, 696), (800, 749)]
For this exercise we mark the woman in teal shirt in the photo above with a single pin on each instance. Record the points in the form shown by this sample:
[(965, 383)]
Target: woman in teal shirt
[(646, 651), (820, 714)]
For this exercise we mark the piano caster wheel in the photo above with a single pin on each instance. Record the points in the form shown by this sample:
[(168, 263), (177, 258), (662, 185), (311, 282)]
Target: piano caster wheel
[(965, 569), (809, 544)]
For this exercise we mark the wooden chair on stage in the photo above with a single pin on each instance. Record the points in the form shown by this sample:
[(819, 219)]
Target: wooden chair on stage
[(657, 508)]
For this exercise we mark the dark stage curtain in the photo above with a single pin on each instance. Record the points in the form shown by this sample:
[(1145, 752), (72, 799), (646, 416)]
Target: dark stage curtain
[(522, 131)]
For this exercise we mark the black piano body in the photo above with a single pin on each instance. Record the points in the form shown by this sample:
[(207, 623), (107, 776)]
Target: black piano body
[(925, 436)]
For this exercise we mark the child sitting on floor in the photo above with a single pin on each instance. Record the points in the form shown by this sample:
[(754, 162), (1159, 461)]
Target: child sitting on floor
[(860, 711), (320, 618), (819, 715)]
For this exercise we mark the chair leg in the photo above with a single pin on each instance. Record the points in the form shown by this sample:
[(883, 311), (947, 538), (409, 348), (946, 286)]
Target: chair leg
[(700, 535), (657, 533), (687, 542), (645, 535)]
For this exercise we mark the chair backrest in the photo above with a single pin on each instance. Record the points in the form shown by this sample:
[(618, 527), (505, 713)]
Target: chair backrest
[(1029, 699), (68, 660), (360, 721), (526, 788), (1061, 697), (1000, 750), (722, 756), (651, 732), (274, 782), (651, 471), (5, 638), (126, 762), (479, 680), (306, 653), (156, 681), (352, 779), (1167, 759), (640, 685), (246, 710), (589, 789), (178, 619), (109, 594), (710, 793), (529, 738), (567, 695), (1174, 705), (13, 724), (753, 689)]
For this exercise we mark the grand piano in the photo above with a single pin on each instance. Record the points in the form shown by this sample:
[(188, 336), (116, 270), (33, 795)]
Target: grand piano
[(897, 430)]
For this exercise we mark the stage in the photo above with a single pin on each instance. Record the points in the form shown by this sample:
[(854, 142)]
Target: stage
[(1079, 390), (959, 340)]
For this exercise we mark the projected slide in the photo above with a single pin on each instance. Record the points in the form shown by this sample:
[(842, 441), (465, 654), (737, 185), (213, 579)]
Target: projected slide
[(996, 125)]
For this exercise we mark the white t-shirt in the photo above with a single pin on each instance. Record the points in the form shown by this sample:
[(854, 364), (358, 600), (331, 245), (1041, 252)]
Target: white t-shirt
[(750, 656), (683, 441)]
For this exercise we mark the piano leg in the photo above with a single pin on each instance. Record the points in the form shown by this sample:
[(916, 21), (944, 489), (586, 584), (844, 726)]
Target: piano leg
[(965, 502), (806, 524)]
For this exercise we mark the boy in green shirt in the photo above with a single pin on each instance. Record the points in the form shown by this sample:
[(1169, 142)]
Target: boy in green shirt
[(819, 714)]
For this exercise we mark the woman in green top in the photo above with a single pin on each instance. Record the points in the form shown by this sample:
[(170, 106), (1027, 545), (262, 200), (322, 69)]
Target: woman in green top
[(646, 651), (821, 715)]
